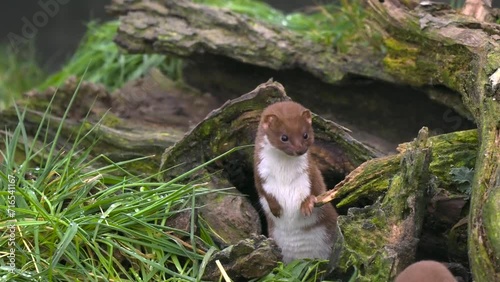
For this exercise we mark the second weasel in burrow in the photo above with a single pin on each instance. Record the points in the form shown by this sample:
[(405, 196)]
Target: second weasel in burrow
[(288, 181), (426, 270)]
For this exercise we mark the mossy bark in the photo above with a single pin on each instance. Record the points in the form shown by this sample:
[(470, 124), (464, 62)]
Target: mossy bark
[(106, 133), (115, 143), (370, 180), (381, 240), (443, 48), (387, 178)]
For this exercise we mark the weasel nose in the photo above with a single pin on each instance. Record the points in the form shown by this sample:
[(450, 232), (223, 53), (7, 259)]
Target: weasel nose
[(300, 151)]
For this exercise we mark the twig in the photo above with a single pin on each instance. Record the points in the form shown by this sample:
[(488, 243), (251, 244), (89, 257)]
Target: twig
[(326, 197), (223, 271), (185, 244)]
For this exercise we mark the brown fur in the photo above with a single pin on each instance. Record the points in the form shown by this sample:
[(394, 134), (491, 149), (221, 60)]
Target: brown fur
[(426, 270), (293, 120)]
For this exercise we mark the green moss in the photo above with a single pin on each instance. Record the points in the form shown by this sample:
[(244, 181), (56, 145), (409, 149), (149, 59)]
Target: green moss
[(396, 46), (378, 185), (457, 149), (492, 219), (219, 198), (431, 62), (493, 59), (111, 120), (372, 183), (397, 185), (365, 234), (401, 58)]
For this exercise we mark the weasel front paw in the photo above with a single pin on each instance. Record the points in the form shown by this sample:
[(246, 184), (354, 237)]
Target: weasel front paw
[(276, 211), (307, 205)]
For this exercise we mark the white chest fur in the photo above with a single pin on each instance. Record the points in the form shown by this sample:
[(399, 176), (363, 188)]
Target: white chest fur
[(286, 179)]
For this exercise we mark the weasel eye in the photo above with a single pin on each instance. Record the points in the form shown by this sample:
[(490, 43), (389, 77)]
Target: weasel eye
[(284, 138), (305, 136)]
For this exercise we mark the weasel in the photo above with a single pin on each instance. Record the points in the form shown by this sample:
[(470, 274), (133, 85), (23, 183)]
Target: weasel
[(426, 270), (287, 181)]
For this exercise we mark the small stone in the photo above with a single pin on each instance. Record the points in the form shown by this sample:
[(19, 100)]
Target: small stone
[(250, 258)]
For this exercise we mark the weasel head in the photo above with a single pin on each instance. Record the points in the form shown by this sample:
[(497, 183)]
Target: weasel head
[(426, 270), (288, 127)]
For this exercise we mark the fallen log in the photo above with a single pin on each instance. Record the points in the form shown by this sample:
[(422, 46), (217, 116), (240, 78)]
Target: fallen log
[(370, 180), (185, 29)]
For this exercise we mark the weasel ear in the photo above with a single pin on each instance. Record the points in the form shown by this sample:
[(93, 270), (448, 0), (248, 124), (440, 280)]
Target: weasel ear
[(307, 115), (267, 120)]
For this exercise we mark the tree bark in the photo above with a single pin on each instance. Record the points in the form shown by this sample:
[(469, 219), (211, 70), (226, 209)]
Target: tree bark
[(186, 29), (471, 56), (381, 239), (102, 130), (370, 180)]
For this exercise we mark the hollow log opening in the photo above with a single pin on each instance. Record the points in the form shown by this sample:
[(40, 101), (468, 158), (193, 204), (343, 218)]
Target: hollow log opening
[(444, 234), (379, 114)]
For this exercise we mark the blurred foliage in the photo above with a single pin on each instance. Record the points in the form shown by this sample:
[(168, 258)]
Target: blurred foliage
[(107, 64), (19, 72), (457, 4)]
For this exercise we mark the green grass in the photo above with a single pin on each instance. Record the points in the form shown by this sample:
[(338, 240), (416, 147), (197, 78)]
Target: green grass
[(296, 271), (76, 220)]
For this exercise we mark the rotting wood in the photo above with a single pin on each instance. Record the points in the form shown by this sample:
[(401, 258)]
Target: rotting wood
[(185, 29), (381, 239), (336, 151), (370, 180)]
